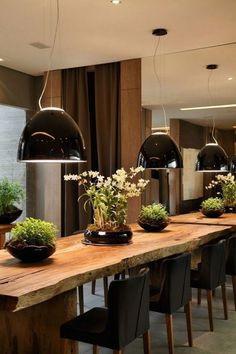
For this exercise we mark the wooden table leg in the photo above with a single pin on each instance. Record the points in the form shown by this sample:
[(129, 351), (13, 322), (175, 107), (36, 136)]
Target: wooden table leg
[(36, 329), (2, 239)]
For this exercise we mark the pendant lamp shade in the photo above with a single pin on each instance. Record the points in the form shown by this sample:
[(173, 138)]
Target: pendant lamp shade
[(51, 136), (212, 158), (159, 151)]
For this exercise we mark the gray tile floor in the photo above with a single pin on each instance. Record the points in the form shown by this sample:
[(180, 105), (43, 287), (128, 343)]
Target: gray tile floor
[(222, 340)]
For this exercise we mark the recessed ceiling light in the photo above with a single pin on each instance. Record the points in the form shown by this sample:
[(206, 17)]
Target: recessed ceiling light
[(1, 59), (208, 107), (230, 78), (116, 2)]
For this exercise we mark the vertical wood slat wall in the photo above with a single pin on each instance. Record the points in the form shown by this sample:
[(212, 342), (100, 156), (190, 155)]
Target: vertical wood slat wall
[(131, 123)]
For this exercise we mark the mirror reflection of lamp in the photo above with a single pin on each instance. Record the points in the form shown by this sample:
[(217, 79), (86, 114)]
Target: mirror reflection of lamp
[(212, 157)]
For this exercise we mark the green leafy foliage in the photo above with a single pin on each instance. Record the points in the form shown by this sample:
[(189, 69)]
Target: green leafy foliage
[(10, 193), (153, 213), (213, 204), (34, 232)]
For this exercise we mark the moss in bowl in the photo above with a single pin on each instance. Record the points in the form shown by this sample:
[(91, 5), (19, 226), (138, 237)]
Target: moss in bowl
[(153, 217), (11, 193), (212, 207), (32, 240)]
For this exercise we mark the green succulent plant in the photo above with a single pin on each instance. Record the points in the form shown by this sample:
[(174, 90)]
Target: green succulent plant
[(10, 193), (212, 204), (153, 213), (34, 232)]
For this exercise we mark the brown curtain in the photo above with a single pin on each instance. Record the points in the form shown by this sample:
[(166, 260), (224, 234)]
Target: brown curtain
[(92, 100), (107, 87)]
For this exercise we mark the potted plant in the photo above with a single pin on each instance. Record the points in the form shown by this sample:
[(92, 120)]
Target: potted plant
[(228, 190), (32, 240), (153, 217), (212, 207), (11, 193), (109, 200)]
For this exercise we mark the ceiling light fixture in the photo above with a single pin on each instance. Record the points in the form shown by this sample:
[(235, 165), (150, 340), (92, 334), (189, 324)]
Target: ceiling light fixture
[(116, 2), (209, 107), (212, 157), (159, 150), (1, 59), (51, 135)]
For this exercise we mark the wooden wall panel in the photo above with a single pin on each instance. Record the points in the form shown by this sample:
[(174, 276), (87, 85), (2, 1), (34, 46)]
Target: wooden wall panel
[(131, 122)]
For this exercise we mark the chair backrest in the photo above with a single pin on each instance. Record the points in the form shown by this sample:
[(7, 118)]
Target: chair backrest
[(212, 270), (128, 308), (231, 255), (175, 290)]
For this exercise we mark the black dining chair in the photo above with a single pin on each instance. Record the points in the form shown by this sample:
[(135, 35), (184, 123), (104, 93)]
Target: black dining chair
[(211, 274), (126, 318), (172, 293), (231, 262)]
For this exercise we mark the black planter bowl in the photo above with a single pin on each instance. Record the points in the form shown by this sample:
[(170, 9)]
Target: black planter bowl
[(30, 253), (230, 209), (212, 213), (8, 218), (153, 227), (107, 237)]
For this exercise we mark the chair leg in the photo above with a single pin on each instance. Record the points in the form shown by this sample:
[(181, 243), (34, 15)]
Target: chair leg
[(188, 312), (146, 343), (209, 303), (105, 286), (199, 296), (81, 299), (93, 287), (117, 351), (95, 349), (169, 327), (234, 289), (224, 297)]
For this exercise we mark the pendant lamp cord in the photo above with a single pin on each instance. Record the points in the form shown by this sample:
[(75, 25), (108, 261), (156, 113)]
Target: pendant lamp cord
[(50, 58), (159, 82), (211, 102)]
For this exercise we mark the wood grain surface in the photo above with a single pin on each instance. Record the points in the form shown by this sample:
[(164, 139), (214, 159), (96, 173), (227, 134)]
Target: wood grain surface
[(23, 285)]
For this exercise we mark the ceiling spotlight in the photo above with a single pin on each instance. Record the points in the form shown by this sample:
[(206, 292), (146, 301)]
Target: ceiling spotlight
[(230, 78), (1, 59), (116, 2)]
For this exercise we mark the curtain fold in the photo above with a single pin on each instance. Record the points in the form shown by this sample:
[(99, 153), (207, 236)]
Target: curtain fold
[(92, 100)]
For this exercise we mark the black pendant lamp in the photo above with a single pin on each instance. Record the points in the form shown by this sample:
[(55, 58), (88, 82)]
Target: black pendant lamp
[(51, 136), (160, 151), (212, 158)]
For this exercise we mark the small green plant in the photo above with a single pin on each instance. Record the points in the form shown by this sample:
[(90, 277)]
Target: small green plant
[(153, 213), (212, 204), (34, 232), (10, 193)]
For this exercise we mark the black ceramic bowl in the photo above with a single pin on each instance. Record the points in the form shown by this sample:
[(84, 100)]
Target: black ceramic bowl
[(108, 237), (30, 253), (153, 227), (8, 218), (212, 213)]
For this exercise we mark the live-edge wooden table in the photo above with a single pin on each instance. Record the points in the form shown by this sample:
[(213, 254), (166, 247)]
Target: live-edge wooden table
[(35, 299)]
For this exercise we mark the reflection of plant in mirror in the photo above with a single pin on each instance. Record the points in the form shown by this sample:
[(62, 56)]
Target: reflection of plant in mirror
[(153, 214), (10, 193), (228, 187), (212, 204)]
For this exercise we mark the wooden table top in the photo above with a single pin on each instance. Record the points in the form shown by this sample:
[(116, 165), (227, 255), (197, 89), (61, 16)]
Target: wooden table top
[(226, 219), (23, 285)]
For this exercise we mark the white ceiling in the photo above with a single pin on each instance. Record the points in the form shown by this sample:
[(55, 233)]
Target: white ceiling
[(96, 31)]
